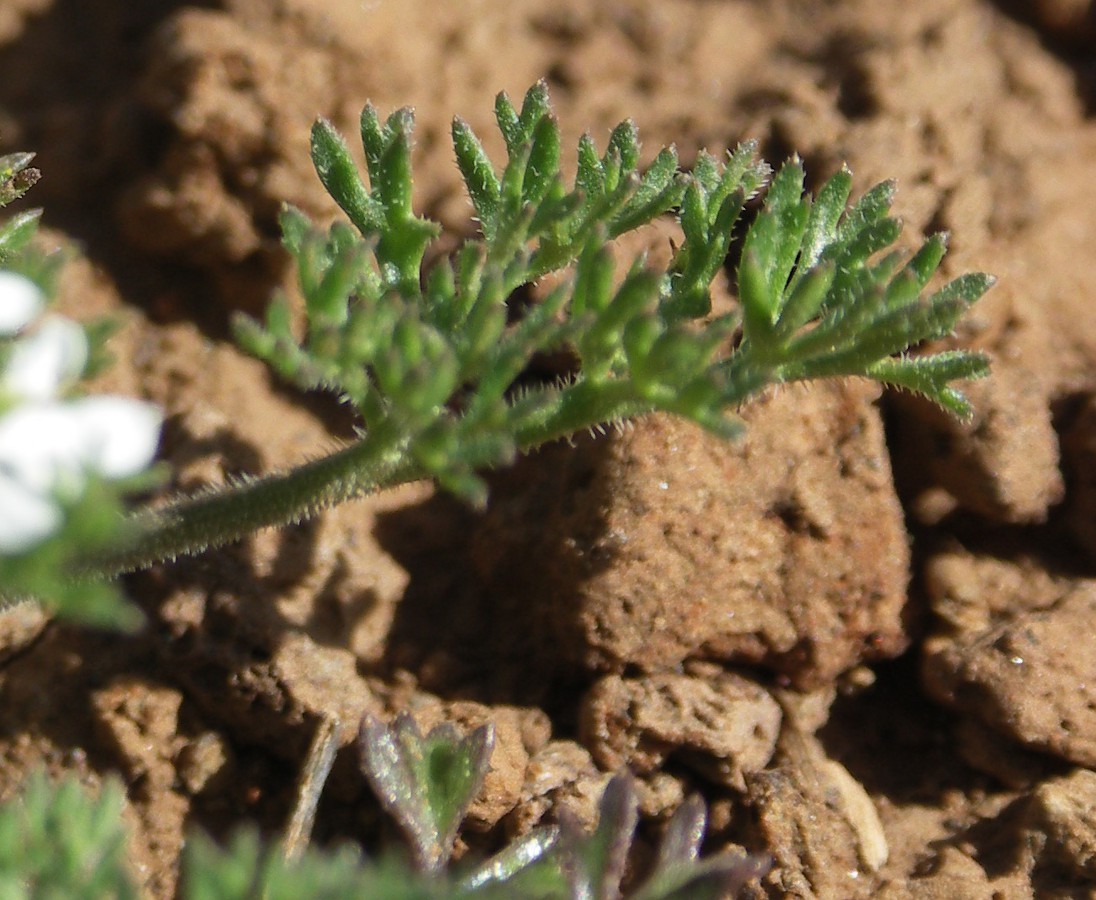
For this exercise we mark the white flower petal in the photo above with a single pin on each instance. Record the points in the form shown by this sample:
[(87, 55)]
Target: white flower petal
[(50, 446), (41, 362), (119, 436), (20, 302), (26, 518), (42, 445)]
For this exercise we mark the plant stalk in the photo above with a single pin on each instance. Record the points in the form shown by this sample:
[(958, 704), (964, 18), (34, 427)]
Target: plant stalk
[(227, 514)]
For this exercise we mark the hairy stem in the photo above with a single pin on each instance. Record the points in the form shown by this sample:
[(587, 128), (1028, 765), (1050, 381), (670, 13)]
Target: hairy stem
[(228, 514), (374, 463), (581, 407)]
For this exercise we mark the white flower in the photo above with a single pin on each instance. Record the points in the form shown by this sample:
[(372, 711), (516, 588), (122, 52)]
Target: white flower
[(26, 517), (41, 362), (20, 302), (48, 449), (48, 446)]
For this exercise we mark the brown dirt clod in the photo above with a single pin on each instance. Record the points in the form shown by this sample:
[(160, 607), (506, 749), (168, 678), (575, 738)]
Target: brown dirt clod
[(638, 599)]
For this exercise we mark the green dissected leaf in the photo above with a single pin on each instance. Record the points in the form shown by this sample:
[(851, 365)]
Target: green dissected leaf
[(403, 237), (390, 173), (437, 358), (535, 106), (931, 376), (815, 300), (340, 177), (624, 146), (479, 176), (822, 225), (542, 169), (659, 191), (870, 208), (710, 207), (590, 176), (821, 298)]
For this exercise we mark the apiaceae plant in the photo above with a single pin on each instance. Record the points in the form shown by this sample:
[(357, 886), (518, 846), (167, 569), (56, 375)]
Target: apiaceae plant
[(431, 358)]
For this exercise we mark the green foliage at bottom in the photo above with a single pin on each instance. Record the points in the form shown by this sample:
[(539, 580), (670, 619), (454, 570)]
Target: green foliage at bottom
[(59, 843), (247, 870)]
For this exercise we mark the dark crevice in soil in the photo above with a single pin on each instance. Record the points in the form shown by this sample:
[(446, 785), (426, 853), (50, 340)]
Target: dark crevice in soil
[(892, 719)]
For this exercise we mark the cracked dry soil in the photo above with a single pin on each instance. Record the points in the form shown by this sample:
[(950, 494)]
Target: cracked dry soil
[(862, 633)]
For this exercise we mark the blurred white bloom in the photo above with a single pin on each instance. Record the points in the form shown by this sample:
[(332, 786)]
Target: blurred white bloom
[(20, 302), (41, 362), (49, 446), (48, 449), (26, 517), (118, 435)]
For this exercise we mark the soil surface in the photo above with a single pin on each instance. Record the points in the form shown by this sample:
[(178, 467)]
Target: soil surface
[(862, 633)]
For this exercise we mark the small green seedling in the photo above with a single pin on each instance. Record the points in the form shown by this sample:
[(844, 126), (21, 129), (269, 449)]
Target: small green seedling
[(425, 783), (428, 783)]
